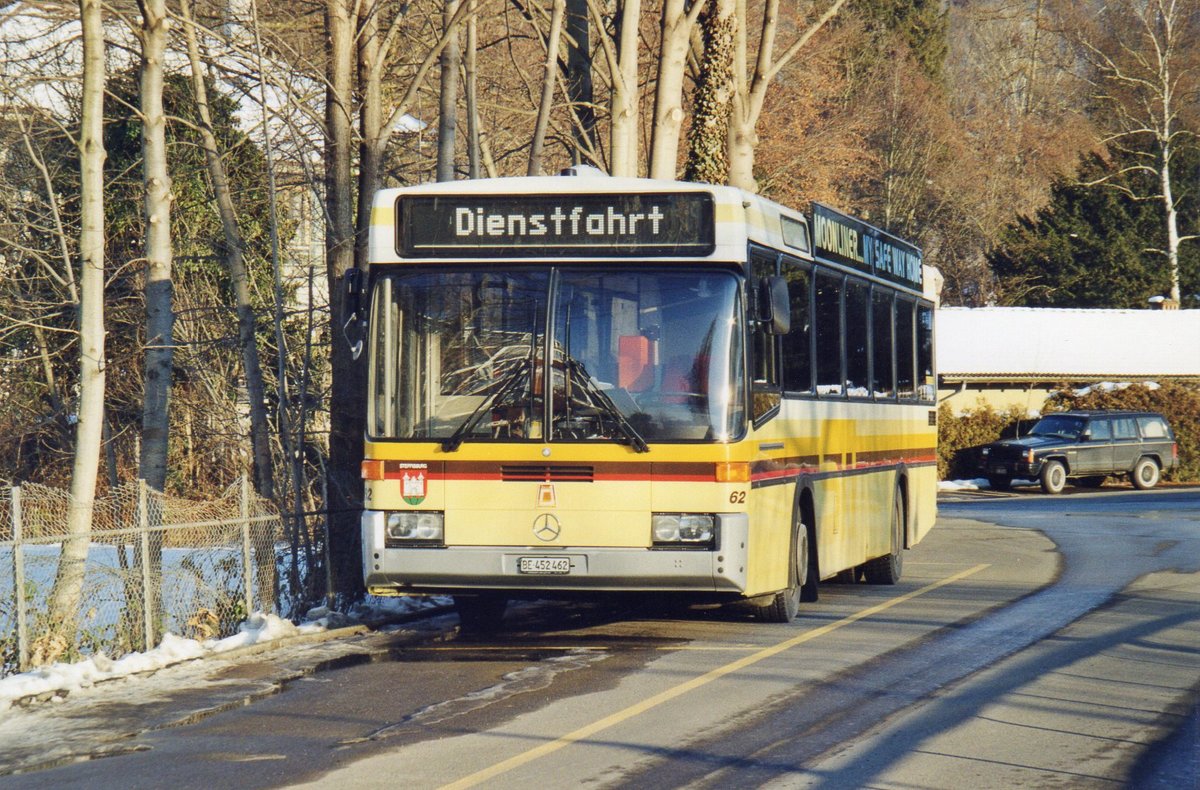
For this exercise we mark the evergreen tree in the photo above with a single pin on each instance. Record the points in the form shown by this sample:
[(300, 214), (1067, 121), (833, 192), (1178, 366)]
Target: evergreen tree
[(1096, 246), (921, 24)]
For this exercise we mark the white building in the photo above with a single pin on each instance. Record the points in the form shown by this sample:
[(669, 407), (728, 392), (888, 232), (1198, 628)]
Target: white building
[(1017, 356)]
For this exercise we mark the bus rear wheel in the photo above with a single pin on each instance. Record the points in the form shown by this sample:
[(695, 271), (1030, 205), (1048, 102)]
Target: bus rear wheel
[(888, 568)]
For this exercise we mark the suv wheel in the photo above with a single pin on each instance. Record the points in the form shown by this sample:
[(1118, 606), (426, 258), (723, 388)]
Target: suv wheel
[(1145, 474), (1053, 477)]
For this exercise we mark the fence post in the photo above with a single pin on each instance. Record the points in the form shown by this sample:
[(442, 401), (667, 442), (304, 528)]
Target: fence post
[(246, 570), (147, 593), (19, 582)]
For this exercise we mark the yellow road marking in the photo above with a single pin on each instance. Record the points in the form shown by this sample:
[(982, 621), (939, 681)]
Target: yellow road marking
[(710, 648), (501, 648), (667, 695)]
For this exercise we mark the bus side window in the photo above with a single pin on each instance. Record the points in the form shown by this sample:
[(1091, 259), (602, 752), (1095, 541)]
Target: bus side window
[(828, 326), (797, 344), (765, 348), (882, 326), (858, 307), (927, 383), (905, 341)]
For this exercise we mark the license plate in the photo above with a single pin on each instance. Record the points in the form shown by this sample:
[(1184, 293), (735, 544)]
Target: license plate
[(1000, 470), (544, 565)]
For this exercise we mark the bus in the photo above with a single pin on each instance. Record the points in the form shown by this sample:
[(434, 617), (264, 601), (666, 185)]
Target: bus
[(582, 384)]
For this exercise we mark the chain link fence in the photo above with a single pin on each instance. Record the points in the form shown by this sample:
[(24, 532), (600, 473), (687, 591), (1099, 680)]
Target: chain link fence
[(154, 565)]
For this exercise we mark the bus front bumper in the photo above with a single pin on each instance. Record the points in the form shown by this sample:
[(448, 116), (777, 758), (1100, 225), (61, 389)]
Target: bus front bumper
[(457, 568)]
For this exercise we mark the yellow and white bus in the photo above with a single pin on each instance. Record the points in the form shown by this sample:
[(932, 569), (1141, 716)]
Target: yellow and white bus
[(584, 384)]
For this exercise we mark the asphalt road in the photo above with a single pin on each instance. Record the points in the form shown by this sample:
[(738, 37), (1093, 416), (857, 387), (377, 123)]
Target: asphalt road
[(1035, 641)]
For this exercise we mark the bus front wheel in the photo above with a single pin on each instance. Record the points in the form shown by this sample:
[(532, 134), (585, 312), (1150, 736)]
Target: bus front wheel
[(802, 581)]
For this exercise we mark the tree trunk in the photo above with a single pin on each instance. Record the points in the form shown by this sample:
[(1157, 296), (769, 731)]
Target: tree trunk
[(549, 74), (347, 413), (160, 316), (448, 98), (1172, 213), (678, 22), (370, 120), (579, 81), (159, 296), (67, 592), (470, 74), (708, 140), (624, 125)]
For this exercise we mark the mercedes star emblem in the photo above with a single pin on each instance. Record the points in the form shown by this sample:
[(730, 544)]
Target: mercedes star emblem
[(546, 527)]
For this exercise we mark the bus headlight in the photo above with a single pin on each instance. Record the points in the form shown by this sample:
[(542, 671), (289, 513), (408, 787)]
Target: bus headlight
[(688, 530), (407, 527)]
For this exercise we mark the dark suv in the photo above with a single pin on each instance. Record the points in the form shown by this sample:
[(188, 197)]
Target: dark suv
[(1087, 446)]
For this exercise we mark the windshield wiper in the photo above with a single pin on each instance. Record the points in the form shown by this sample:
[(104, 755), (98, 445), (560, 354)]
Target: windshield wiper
[(455, 440), (606, 405)]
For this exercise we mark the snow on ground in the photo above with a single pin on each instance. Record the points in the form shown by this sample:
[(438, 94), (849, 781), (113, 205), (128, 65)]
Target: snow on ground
[(977, 484), (60, 679), (963, 485)]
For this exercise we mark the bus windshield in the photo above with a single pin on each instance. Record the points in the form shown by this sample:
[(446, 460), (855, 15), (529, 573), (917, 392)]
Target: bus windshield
[(635, 356)]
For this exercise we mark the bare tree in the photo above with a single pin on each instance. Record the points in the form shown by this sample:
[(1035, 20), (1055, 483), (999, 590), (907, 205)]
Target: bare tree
[(1145, 66), (346, 399), (233, 252), (549, 73), (678, 22), (160, 316), (622, 59), (752, 88), (451, 58), (579, 79), (471, 85), (68, 582)]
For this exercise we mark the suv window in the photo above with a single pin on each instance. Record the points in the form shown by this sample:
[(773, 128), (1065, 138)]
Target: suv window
[(1125, 428), (1101, 430), (1153, 427), (1059, 425)]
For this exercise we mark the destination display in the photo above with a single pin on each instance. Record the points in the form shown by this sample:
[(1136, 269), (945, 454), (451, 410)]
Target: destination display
[(463, 226), (843, 239)]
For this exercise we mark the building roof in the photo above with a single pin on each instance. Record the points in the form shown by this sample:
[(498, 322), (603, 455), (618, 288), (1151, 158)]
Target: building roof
[(1053, 344)]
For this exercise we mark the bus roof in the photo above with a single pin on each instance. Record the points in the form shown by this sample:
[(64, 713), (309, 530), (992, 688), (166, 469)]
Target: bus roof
[(584, 213)]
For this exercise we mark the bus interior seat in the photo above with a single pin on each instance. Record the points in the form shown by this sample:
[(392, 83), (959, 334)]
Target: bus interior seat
[(634, 371)]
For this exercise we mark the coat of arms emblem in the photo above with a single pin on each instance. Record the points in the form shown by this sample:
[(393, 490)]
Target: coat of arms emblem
[(412, 483)]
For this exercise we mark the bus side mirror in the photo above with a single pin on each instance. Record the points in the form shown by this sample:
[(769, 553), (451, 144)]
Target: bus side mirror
[(774, 306), (354, 305)]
